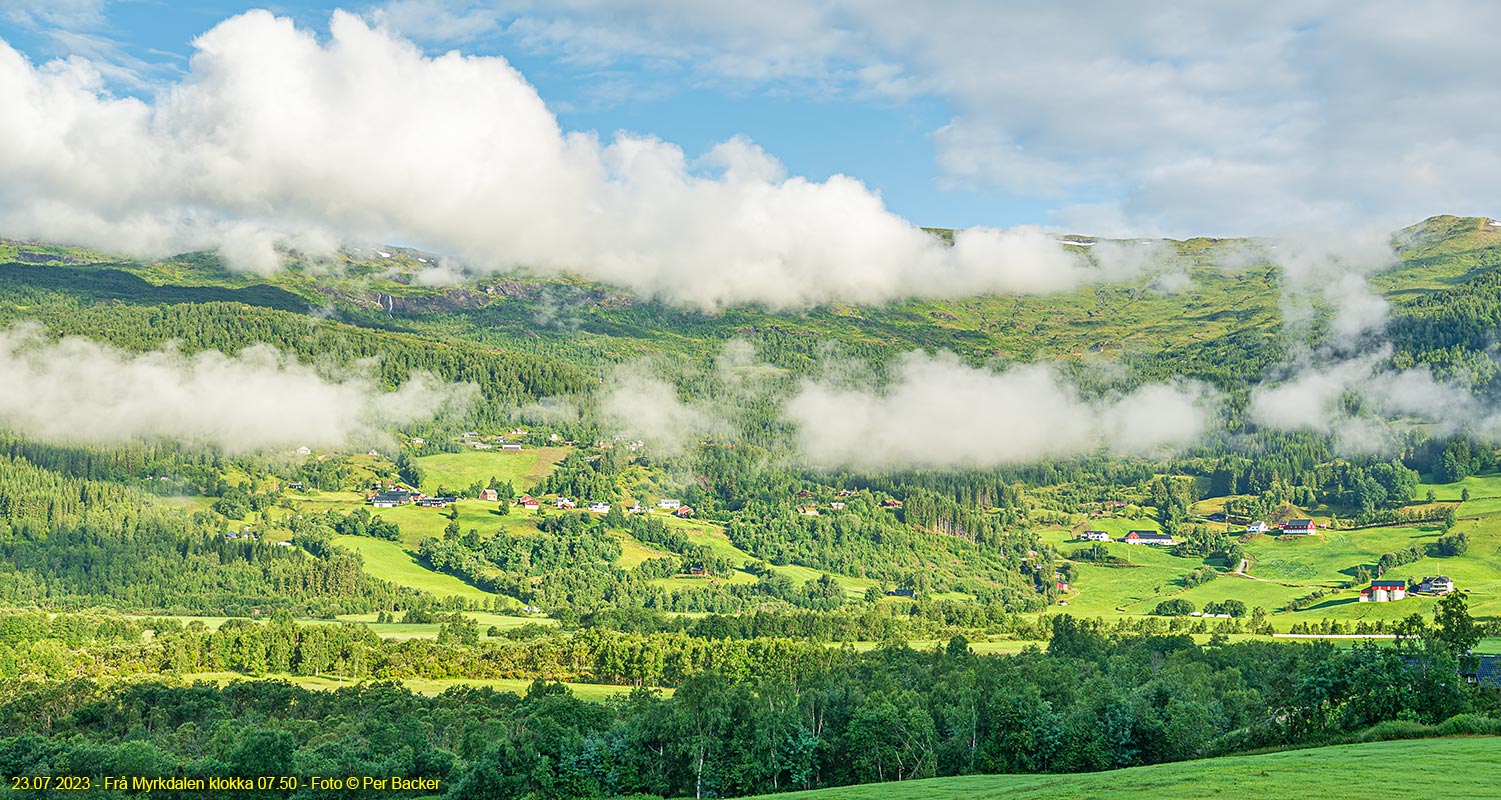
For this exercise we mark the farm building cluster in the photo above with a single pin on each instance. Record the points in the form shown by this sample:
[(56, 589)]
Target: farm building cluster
[(394, 496), (1387, 590)]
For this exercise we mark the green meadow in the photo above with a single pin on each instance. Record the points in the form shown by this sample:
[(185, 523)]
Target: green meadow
[(1450, 768), (390, 561), (522, 468)]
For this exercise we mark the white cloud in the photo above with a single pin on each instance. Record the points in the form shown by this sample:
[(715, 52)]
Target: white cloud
[(274, 137), (1247, 116), (76, 390), (938, 412)]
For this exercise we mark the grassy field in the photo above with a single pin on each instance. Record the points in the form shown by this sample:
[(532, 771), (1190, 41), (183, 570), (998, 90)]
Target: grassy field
[(459, 470), (389, 561), (1457, 768)]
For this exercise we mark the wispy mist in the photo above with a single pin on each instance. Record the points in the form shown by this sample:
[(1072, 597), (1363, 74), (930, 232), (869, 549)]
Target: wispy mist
[(939, 412), (77, 390)]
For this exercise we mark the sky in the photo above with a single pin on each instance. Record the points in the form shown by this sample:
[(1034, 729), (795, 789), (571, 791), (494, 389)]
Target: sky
[(781, 153), (1108, 117)]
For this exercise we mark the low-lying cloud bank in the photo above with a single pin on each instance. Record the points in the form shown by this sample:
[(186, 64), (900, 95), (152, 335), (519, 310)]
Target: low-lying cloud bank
[(935, 411), (1362, 402), (939, 412), (78, 391), (272, 139)]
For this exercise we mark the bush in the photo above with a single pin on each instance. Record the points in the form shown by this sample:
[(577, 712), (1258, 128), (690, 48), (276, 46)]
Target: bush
[(1234, 608), (1176, 607), (1452, 544), (1200, 576), (1470, 725), (1396, 729)]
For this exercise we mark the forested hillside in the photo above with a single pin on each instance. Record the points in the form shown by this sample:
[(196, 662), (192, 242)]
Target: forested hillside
[(516, 478)]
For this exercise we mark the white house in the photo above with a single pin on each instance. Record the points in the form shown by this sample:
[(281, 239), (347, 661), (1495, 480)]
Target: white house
[(1095, 536), (669, 504), (303, 451), (1257, 527), (599, 508), (1437, 584)]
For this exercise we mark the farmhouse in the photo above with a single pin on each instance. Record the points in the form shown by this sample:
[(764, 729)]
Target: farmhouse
[(1384, 590), (528, 502), (289, 486), (303, 451), (891, 503), (635, 508), (684, 512), (1148, 537), (669, 504), (695, 570), (599, 508), (836, 505), (391, 499), (1257, 527), (565, 502), (511, 446), (491, 495), (1437, 584), (902, 593), (1094, 536), (1303, 526), (1487, 671)]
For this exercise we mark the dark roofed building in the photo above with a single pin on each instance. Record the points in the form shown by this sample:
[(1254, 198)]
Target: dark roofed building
[(391, 499)]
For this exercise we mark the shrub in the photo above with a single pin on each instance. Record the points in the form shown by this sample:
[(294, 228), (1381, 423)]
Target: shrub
[(1396, 729), (1470, 725), (1176, 607)]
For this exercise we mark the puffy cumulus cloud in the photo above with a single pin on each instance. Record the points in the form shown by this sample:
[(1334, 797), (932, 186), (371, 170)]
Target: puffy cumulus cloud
[(938, 412), (273, 138), (1228, 118), (76, 390)]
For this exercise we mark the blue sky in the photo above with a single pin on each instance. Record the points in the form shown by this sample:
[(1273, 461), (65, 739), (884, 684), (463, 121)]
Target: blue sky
[(885, 142)]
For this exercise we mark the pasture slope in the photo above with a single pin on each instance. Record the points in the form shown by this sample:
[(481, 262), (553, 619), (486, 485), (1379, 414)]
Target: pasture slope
[(1468, 768)]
